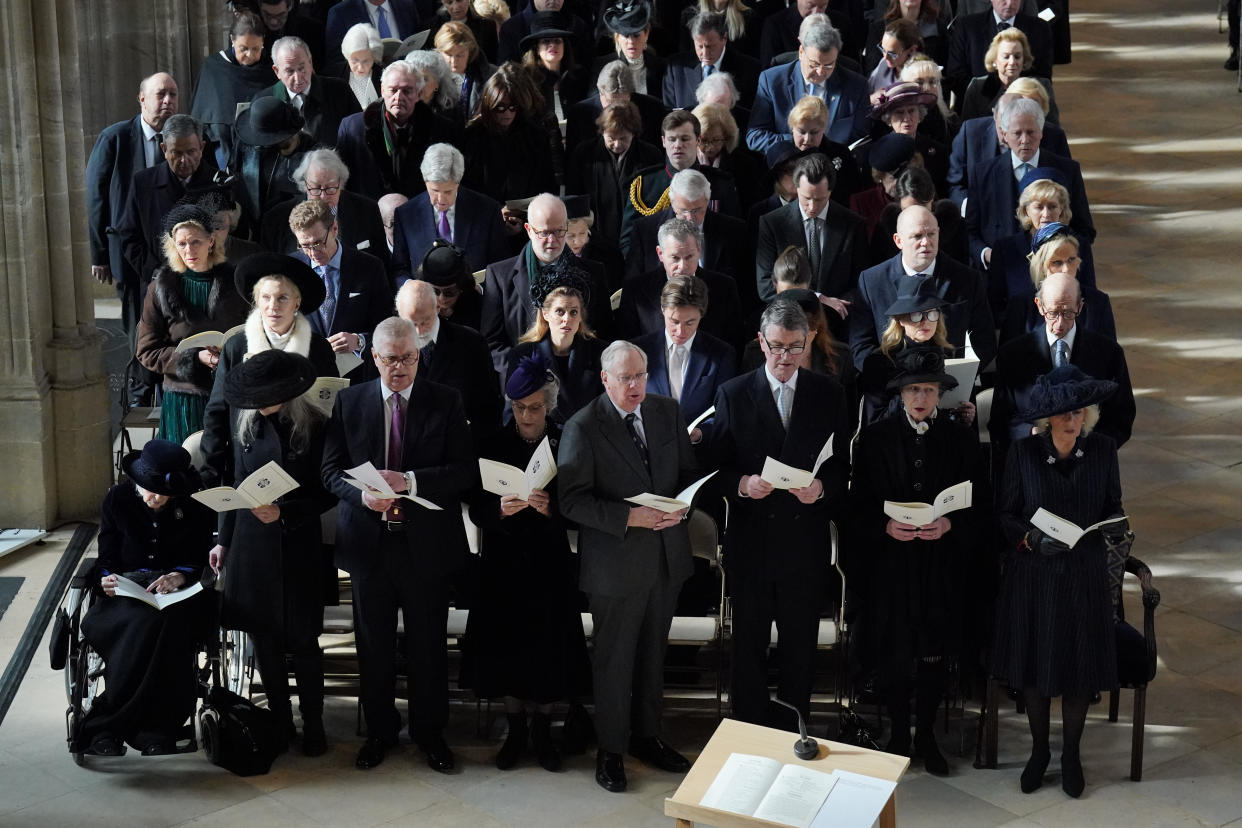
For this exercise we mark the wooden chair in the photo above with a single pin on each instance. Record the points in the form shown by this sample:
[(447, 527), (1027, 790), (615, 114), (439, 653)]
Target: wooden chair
[(1136, 653)]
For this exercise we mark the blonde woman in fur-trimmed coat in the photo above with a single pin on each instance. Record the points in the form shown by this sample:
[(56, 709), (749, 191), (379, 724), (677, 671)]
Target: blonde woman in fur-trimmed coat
[(283, 292)]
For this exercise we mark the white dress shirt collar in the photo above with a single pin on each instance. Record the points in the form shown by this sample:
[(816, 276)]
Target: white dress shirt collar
[(1069, 338), (668, 342), (1018, 162), (774, 383), (822, 215), (930, 271)]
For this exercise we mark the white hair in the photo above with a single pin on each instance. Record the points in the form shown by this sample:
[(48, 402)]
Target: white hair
[(1025, 106), (615, 352), (325, 159), (362, 37), (817, 32), (287, 44), (443, 162), (712, 87), (690, 184), (400, 67), (432, 63)]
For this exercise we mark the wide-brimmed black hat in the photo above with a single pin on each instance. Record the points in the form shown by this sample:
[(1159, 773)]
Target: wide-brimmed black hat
[(921, 363), (162, 467), (255, 267), (444, 265), (626, 17), (546, 24), (269, 377), (1065, 389), (916, 295), (578, 207), (531, 374), (891, 152), (269, 121)]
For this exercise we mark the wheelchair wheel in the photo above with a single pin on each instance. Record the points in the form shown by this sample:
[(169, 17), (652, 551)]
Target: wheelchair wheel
[(84, 681), (236, 661)]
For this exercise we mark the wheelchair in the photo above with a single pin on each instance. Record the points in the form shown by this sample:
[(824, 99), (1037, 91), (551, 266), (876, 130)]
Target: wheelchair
[(222, 659)]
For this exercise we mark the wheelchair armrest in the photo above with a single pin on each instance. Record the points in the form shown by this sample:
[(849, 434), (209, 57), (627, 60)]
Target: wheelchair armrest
[(82, 576)]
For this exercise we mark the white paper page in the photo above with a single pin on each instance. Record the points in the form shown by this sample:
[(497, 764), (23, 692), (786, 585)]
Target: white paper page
[(267, 484), (541, 468), (687, 494), (366, 478), (503, 479), (346, 362), (855, 801), (957, 496), (225, 499), (796, 796), (323, 393), (1067, 532), (205, 339), (824, 454), (741, 783), (1047, 15), (912, 514), (129, 589), (683, 500), (699, 419), (963, 370), (782, 476)]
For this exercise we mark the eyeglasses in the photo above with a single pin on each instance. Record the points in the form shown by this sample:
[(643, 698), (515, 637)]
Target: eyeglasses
[(446, 292), (919, 316), (630, 379), (405, 360), (549, 233), (710, 142), (314, 247), (533, 408), (331, 189), (781, 350), (890, 55), (814, 67), (1067, 315), (500, 110)]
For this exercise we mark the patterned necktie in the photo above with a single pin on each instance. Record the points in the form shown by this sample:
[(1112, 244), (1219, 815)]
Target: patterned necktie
[(327, 310), (708, 69), (813, 244), (426, 353), (1001, 26), (784, 402), (631, 422), (676, 370), (442, 226), (382, 23), (1060, 353), (396, 449)]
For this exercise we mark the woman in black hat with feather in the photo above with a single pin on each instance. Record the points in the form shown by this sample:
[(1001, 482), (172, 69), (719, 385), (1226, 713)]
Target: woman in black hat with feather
[(1055, 633), (274, 566), (915, 574), (154, 534)]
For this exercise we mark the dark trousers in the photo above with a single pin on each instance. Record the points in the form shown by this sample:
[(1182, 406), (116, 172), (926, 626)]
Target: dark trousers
[(1231, 13), (307, 669), (631, 637), (793, 604), (396, 582)]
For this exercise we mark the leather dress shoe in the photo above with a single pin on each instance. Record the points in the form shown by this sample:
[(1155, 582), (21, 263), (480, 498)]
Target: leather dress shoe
[(655, 752), (610, 771), (933, 760), (314, 739), (373, 751), (439, 756), (105, 744)]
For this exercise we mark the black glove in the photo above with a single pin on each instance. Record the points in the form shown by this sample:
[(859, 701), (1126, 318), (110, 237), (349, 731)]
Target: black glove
[(1043, 543)]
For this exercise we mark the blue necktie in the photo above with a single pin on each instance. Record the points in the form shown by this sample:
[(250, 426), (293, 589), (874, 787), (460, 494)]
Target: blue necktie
[(328, 309), (631, 423), (1060, 354), (384, 30)]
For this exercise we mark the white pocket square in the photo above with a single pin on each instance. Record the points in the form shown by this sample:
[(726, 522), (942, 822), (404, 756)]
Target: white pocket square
[(364, 244), (356, 293)]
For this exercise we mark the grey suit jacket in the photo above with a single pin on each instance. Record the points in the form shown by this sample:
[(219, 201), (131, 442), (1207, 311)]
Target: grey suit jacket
[(599, 467)]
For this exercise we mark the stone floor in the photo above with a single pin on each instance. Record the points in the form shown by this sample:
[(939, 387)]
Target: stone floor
[(1157, 126)]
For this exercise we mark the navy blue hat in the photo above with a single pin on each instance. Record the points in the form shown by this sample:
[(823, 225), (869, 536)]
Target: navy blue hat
[(162, 467), (258, 265), (782, 152), (531, 374), (891, 152), (1043, 174), (1048, 232), (916, 295), (921, 363), (1065, 389), (268, 378)]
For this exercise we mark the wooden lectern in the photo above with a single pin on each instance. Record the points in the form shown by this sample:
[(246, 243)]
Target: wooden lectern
[(738, 737)]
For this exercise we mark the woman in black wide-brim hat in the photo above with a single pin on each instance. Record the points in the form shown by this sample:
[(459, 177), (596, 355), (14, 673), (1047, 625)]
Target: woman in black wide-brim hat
[(524, 641), (154, 534), (1055, 632), (273, 561), (914, 575), (283, 291)]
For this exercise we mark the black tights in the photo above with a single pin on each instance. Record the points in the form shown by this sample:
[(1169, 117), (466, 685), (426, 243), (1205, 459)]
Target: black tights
[(1073, 720), (307, 669), (930, 679)]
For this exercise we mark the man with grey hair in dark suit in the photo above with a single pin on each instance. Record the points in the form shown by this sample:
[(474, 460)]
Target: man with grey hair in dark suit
[(633, 558)]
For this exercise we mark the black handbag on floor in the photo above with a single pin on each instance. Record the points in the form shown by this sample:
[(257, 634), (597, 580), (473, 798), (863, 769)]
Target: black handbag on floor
[(238, 735)]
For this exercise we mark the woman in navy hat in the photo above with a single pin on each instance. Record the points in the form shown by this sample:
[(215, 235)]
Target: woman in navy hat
[(283, 290), (154, 534), (916, 318), (914, 576), (192, 293), (274, 569), (563, 338), (524, 642), (1055, 633)]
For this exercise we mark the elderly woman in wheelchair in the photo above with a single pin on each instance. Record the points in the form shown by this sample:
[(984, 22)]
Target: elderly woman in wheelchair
[(154, 535)]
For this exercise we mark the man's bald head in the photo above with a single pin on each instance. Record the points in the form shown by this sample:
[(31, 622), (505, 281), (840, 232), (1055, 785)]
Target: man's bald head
[(388, 207), (1059, 294), (917, 237), (416, 301), (158, 96), (547, 223)]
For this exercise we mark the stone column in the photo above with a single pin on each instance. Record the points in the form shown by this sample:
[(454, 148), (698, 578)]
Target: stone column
[(54, 448)]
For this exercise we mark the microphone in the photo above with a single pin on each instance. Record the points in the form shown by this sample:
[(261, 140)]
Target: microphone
[(806, 747)]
